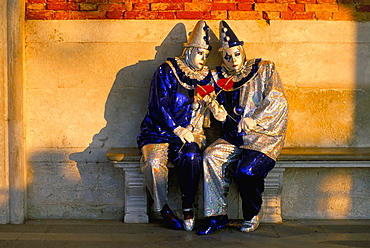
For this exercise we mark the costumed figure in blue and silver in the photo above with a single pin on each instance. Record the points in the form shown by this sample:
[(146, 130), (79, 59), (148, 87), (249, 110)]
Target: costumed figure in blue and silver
[(172, 129), (252, 136)]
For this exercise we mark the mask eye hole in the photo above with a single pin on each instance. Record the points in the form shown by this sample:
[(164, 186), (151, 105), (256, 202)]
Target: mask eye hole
[(228, 57)]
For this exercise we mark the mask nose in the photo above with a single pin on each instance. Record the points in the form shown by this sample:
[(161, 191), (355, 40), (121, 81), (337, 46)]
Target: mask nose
[(233, 58)]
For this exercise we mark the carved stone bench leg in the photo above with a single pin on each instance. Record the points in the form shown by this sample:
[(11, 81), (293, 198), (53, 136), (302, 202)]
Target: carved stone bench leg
[(135, 205), (271, 206)]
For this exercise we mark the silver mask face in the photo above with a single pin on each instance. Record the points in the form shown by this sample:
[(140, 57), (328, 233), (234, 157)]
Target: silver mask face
[(196, 57), (233, 58)]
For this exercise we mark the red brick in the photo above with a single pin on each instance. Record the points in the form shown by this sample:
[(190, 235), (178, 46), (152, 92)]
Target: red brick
[(362, 8), (193, 15), (140, 6), (166, 15), (223, 6), (128, 6), (56, 1), (112, 7), (326, 7), (246, 1), (95, 14), (114, 14), (147, 15), (62, 6), (218, 15), (78, 15), (276, 7), (327, 1), (36, 1), (130, 14), (121, 1), (63, 15), (40, 15), (189, 7), (271, 15), (159, 1), (285, 1), (324, 15), (289, 15), (166, 6), (265, 1), (245, 15), (245, 6), (296, 7), (97, 1), (306, 1), (221, 1), (88, 6), (35, 6)]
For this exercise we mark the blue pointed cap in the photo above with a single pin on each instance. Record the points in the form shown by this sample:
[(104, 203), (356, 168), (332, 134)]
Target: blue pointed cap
[(227, 37)]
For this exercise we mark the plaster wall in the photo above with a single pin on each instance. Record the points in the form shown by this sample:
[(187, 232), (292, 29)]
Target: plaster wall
[(86, 88), (4, 174)]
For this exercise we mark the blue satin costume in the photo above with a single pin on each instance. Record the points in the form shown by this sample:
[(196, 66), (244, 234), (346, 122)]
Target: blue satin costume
[(171, 104)]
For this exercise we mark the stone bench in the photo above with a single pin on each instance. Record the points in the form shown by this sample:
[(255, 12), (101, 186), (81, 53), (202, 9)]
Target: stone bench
[(135, 195)]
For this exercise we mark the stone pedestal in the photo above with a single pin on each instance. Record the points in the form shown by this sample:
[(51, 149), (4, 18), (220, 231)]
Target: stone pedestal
[(271, 206), (135, 204)]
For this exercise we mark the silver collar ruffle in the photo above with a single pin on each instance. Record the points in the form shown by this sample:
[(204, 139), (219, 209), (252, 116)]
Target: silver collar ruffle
[(190, 73)]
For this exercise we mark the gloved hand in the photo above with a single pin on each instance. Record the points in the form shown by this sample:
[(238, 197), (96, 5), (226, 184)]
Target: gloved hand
[(246, 123), (218, 111), (184, 134)]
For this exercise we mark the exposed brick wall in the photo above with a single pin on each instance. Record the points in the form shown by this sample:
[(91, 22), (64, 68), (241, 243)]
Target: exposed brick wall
[(336, 10)]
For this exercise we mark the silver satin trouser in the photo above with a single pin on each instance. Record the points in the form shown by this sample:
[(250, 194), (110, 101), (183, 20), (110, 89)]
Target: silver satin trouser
[(217, 159), (156, 173), (224, 162), (188, 162)]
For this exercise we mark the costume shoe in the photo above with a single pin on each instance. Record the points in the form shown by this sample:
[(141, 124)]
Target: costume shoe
[(214, 223)]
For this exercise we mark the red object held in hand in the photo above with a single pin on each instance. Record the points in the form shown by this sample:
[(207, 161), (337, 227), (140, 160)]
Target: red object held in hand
[(205, 90), (225, 83)]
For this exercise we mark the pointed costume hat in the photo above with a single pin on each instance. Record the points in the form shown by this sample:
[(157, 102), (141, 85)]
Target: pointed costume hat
[(199, 37), (227, 37)]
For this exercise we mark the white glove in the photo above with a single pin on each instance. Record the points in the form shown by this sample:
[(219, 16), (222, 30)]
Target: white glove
[(245, 124), (184, 134), (218, 111), (209, 98)]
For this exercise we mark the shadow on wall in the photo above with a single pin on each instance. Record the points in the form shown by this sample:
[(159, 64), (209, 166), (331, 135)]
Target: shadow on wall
[(127, 100), (361, 135), (87, 187)]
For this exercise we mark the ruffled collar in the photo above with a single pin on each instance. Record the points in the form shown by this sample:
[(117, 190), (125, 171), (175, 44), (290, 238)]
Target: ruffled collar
[(192, 74), (241, 77), (242, 73)]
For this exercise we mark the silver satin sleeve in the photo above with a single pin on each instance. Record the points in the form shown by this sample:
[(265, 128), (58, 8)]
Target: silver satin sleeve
[(264, 99), (217, 175)]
